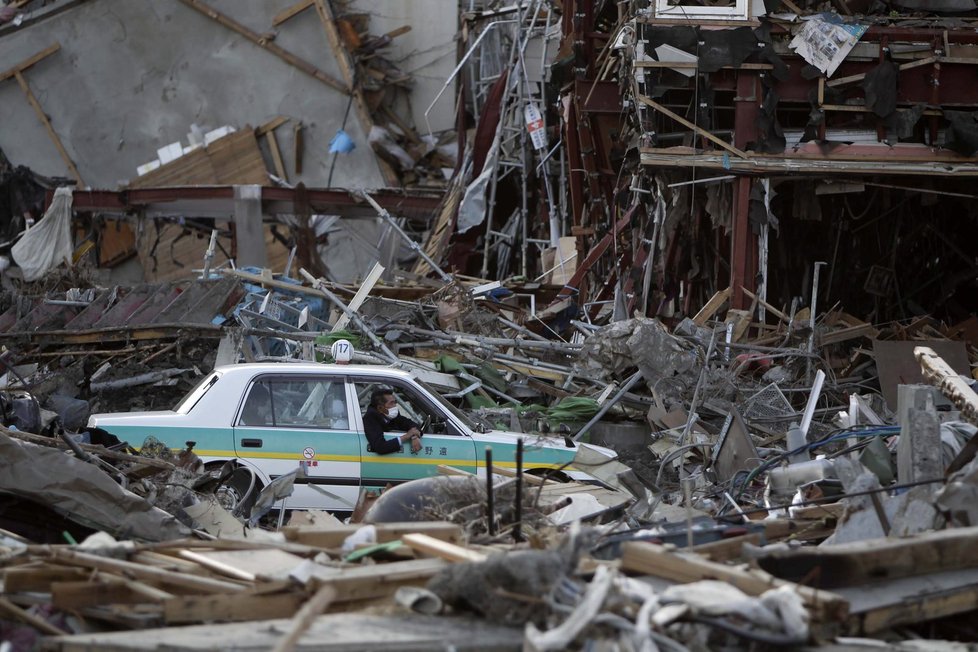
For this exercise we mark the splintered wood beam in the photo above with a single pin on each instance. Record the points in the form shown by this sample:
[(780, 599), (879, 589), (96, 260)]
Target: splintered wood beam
[(689, 125), (42, 116), (266, 43), (17, 72)]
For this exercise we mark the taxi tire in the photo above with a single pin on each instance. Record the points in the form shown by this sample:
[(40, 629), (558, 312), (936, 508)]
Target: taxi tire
[(238, 492)]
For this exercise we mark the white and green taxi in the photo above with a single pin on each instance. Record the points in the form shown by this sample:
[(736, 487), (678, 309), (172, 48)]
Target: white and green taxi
[(276, 417)]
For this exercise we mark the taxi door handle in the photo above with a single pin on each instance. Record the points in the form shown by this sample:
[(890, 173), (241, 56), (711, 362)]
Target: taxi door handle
[(251, 443)]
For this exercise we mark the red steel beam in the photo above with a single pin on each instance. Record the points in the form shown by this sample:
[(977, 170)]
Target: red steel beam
[(210, 199)]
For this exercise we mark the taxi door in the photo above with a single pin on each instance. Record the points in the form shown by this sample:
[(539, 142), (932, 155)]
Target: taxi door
[(442, 443), (290, 422)]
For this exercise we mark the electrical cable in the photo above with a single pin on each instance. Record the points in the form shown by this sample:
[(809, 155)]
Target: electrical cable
[(847, 433)]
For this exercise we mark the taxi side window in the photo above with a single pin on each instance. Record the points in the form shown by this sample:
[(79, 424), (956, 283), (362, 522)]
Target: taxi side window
[(410, 404), (258, 409), (299, 403)]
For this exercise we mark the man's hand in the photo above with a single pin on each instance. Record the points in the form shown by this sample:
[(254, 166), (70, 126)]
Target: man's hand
[(414, 435)]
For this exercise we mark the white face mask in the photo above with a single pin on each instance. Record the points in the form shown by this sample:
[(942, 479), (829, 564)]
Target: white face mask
[(392, 412)]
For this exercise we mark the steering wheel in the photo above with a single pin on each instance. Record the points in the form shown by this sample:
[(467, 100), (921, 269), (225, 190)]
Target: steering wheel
[(425, 424)]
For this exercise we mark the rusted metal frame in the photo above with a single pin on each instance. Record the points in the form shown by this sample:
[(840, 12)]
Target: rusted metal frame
[(743, 249), (274, 200), (575, 174), (589, 163)]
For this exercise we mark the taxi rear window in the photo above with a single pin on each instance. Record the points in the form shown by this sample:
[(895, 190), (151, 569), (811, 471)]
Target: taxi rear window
[(188, 402)]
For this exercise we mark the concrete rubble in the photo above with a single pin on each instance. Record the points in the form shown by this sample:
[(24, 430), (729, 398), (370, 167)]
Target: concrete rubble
[(677, 239)]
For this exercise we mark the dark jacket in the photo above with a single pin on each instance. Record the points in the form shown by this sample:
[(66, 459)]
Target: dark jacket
[(376, 424)]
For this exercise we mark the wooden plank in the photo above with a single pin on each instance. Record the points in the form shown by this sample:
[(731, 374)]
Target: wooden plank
[(229, 608), (267, 44), (246, 565), (689, 125), (42, 116), (910, 601), (444, 469), (657, 560), (30, 61), (727, 549), (362, 293), (148, 573), (448, 551), (23, 580), (304, 619), (771, 309), (852, 564), (333, 537), (79, 595), (234, 159), (41, 625), (276, 156), (290, 12), (271, 125), (712, 306), (846, 334), (380, 580)]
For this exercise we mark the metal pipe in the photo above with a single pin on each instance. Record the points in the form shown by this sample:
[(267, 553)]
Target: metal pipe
[(811, 317), (696, 392), (490, 506), (518, 526), (806, 421), (414, 245), (354, 317), (637, 376), (459, 68)]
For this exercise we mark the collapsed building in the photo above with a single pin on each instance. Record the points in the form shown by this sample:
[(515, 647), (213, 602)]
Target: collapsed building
[(728, 240)]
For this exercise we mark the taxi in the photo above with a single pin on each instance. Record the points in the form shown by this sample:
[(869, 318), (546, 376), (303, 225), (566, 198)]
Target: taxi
[(274, 418)]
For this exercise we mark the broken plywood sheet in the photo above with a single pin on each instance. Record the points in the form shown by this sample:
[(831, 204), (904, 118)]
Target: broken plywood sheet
[(348, 632), (896, 364), (232, 160)]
